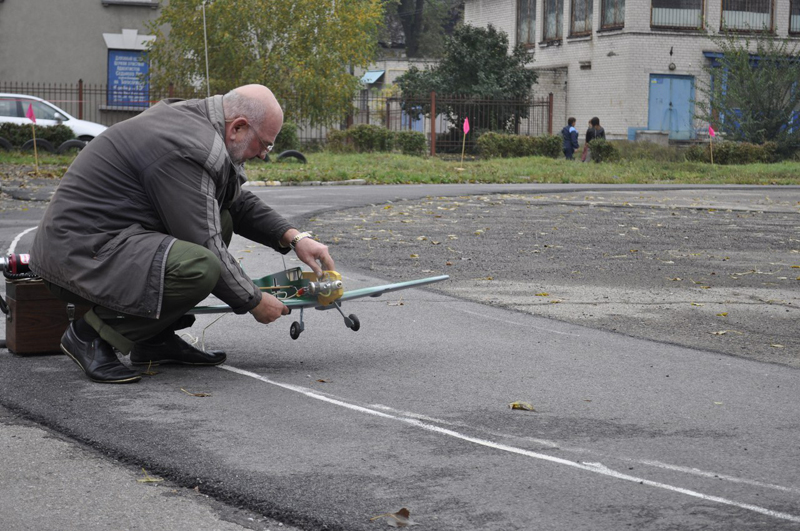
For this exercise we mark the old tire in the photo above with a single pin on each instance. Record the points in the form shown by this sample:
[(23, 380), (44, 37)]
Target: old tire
[(292, 154), (73, 144), (41, 145)]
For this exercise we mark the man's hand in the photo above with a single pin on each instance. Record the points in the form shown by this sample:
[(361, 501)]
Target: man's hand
[(311, 251), (269, 309)]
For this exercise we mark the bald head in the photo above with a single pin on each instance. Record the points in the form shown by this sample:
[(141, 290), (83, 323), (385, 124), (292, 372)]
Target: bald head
[(254, 102), (251, 112)]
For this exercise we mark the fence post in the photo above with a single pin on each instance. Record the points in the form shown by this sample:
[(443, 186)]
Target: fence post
[(433, 124), (389, 114), (550, 114), (80, 99), (171, 91)]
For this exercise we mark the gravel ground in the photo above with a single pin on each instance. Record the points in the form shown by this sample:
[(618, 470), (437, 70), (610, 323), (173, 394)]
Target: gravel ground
[(720, 279)]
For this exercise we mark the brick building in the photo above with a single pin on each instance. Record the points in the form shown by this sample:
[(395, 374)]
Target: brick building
[(635, 64)]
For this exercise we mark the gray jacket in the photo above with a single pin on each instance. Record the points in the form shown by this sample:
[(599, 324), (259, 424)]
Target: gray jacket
[(135, 189)]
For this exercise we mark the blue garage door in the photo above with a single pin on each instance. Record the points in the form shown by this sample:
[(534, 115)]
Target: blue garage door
[(671, 105)]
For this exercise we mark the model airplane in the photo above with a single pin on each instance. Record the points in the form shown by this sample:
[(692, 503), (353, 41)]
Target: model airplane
[(301, 289)]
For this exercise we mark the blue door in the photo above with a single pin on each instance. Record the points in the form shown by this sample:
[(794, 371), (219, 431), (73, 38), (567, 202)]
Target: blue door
[(671, 106)]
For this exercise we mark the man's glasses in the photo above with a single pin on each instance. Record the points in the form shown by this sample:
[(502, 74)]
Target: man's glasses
[(267, 147)]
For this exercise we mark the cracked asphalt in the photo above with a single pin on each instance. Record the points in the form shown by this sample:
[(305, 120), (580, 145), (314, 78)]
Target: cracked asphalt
[(718, 271)]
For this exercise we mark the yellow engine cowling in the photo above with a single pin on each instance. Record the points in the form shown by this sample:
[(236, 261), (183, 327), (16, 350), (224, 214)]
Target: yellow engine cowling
[(327, 289)]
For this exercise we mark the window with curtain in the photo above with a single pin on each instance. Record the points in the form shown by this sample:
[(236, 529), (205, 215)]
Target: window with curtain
[(747, 15), (613, 16), (526, 22), (581, 23), (553, 19), (677, 14), (794, 17)]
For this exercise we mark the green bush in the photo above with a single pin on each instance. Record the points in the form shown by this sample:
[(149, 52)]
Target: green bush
[(339, 141), (649, 151), (18, 134), (368, 137), (491, 145), (603, 150), (410, 142), (287, 138), (734, 153)]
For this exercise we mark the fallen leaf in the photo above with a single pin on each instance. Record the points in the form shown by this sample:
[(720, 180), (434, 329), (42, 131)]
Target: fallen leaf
[(718, 403), (543, 294), (148, 479), (448, 263), (776, 345), (521, 405), (414, 256), (321, 380), (698, 304), (723, 314), (401, 518), (195, 394), (723, 332)]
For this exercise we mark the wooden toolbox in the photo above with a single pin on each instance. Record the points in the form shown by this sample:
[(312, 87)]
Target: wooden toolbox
[(36, 319)]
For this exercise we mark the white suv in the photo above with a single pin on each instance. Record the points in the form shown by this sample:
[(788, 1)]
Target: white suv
[(14, 106)]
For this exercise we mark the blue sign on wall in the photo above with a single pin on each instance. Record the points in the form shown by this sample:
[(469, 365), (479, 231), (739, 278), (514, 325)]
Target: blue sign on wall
[(128, 79)]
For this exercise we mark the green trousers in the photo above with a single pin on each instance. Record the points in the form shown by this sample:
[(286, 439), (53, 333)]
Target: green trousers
[(192, 272)]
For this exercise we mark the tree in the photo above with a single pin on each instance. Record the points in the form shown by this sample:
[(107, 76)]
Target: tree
[(422, 24), (302, 49), (753, 92), (476, 63)]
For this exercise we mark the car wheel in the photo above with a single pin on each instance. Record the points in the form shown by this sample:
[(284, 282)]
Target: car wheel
[(73, 145), (292, 154), (41, 144), (86, 138), (5, 145)]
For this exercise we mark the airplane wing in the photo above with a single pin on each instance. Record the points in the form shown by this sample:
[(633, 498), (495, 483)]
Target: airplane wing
[(311, 302)]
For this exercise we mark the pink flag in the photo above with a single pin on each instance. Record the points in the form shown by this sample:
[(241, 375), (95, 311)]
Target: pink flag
[(711, 131), (466, 125), (30, 114)]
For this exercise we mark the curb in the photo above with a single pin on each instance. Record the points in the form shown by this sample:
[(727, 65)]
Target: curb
[(307, 183)]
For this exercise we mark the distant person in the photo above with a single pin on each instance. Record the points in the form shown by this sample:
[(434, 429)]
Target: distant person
[(595, 131), (570, 136)]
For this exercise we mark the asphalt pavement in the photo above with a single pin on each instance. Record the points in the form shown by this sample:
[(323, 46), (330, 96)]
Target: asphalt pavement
[(600, 306)]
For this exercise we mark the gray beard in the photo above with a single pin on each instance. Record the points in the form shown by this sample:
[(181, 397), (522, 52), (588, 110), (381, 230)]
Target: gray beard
[(236, 151)]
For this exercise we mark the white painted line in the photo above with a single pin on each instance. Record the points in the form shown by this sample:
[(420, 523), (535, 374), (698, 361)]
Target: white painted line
[(578, 450), (597, 468), (484, 316), (18, 238)]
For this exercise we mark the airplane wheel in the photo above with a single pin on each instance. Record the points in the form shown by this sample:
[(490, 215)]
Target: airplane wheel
[(294, 330), (356, 322)]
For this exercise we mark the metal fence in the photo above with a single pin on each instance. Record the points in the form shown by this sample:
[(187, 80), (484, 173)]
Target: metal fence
[(440, 118)]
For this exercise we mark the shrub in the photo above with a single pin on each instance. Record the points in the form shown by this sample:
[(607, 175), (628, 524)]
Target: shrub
[(18, 134), (500, 145), (410, 142), (339, 141), (603, 150), (287, 138), (649, 151), (734, 153), (368, 137)]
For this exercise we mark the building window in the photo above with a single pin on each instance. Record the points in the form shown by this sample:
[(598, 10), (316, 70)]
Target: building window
[(553, 19), (526, 22), (613, 16), (747, 15), (581, 23), (687, 14), (794, 17)]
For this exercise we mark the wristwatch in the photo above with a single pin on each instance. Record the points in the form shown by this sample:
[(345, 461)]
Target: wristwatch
[(299, 237)]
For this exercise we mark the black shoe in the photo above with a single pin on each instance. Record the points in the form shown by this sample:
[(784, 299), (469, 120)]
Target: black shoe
[(97, 358), (173, 350)]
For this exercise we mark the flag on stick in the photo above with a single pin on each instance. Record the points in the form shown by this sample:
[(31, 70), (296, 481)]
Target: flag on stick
[(711, 134), (464, 141), (32, 117)]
